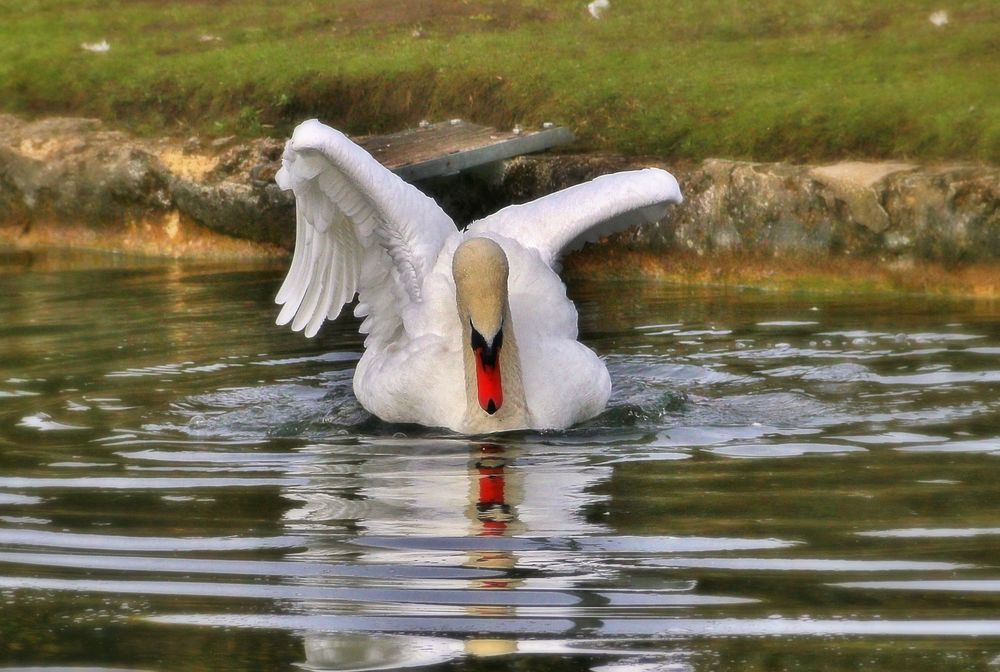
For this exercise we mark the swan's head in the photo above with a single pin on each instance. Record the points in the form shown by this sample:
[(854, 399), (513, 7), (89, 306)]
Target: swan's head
[(480, 269)]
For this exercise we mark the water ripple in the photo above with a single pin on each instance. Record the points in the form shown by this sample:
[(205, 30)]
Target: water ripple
[(946, 585), (932, 533), (673, 628), (145, 483), (106, 542), (218, 566), (805, 564)]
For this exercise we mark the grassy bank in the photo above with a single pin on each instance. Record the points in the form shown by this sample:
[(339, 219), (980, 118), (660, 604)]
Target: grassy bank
[(799, 79)]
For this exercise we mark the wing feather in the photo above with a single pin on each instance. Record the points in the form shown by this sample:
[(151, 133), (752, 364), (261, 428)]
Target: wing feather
[(288, 287), (320, 259), (564, 221), (317, 315), (358, 227)]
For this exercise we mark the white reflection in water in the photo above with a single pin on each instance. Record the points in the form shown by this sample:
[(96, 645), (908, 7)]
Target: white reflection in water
[(887, 438), (933, 533), (358, 651), (667, 628), (7, 498), (947, 585), (785, 449), (43, 422), (975, 446), (806, 564), (363, 651)]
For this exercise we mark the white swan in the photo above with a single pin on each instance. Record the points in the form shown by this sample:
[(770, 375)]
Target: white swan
[(469, 330)]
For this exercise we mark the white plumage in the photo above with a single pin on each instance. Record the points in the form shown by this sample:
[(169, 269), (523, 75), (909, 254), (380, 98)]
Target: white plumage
[(598, 7), (362, 230)]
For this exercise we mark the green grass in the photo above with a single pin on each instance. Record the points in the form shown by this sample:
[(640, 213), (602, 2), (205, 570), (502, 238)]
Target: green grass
[(792, 79)]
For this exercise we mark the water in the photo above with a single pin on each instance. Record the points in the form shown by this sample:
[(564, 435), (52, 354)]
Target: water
[(780, 482)]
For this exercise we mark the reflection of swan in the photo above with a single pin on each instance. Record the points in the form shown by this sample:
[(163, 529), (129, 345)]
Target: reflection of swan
[(444, 489), (454, 509), (466, 330), (482, 546)]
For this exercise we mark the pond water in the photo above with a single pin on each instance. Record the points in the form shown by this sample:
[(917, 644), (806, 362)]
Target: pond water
[(780, 482)]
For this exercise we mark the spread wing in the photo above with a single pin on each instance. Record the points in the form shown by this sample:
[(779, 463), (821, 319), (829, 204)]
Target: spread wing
[(359, 229), (564, 221)]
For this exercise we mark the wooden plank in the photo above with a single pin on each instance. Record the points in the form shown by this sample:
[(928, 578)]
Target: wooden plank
[(470, 158), (449, 147)]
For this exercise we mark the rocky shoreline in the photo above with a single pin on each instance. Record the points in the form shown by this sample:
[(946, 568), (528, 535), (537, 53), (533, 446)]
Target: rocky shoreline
[(74, 183)]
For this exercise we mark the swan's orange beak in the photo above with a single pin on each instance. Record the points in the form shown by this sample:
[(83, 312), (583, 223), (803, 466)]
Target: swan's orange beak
[(488, 381)]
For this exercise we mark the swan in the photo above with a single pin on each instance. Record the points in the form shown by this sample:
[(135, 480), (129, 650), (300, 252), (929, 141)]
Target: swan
[(466, 330)]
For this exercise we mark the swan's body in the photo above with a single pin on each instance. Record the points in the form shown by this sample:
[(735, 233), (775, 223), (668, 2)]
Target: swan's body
[(467, 330)]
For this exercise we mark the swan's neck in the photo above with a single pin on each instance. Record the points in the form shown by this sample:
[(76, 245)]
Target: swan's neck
[(513, 413)]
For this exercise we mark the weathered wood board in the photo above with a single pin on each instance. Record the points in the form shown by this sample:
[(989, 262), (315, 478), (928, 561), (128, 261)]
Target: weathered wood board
[(452, 146)]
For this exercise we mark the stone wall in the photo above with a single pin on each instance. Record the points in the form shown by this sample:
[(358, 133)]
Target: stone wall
[(889, 211), (72, 182), (63, 174)]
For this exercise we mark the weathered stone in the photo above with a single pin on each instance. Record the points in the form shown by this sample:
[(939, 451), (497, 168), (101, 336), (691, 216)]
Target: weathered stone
[(950, 214), (887, 211), (72, 170), (231, 198), (855, 183)]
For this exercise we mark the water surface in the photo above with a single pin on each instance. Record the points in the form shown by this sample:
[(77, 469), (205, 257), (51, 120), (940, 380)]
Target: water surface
[(780, 482)]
